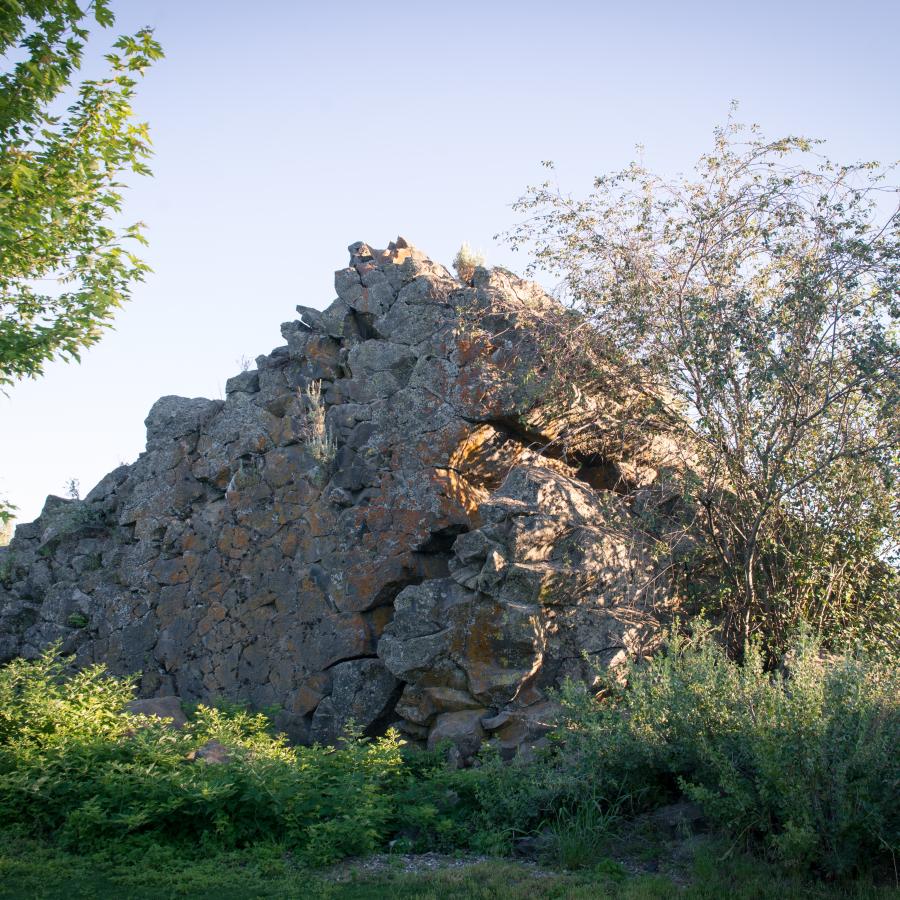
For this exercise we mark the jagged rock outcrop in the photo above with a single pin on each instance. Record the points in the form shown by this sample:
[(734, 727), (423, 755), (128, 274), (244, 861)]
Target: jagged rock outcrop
[(440, 561)]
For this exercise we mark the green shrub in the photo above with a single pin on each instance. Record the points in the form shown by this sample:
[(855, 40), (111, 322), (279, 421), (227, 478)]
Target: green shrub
[(802, 763), (77, 768), (484, 808), (804, 760)]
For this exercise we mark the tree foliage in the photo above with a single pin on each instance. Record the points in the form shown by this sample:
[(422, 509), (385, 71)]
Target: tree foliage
[(756, 303), (63, 267)]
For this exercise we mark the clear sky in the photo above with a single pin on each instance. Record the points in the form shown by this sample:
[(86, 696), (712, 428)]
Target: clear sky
[(284, 131)]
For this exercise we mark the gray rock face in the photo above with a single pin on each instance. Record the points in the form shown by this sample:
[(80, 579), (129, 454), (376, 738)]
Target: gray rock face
[(442, 565), (557, 584), (363, 692)]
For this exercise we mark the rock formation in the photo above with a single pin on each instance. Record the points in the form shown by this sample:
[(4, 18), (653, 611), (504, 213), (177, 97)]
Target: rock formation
[(432, 557)]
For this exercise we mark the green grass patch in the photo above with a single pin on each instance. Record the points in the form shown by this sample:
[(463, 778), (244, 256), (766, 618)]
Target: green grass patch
[(32, 870)]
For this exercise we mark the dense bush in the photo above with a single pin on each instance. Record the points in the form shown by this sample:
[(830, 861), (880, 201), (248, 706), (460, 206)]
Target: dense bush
[(484, 808), (76, 767), (804, 760), (802, 763)]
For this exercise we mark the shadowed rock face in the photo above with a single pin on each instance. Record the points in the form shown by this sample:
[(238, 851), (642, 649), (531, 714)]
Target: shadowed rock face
[(438, 570)]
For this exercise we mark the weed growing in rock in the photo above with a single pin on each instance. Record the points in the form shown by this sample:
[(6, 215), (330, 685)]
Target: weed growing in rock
[(7, 567), (319, 439), (466, 261)]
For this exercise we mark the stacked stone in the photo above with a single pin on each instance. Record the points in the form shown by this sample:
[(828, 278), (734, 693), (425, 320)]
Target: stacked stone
[(440, 570)]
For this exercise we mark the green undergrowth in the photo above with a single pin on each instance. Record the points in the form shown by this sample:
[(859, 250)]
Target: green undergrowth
[(797, 768), (800, 764), (33, 870)]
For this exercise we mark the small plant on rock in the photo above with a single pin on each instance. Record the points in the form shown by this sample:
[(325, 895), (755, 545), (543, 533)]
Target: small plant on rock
[(466, 262), (318, 438), (7, 568)]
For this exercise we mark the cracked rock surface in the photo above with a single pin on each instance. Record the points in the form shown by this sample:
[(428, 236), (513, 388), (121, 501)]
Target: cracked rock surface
[(441, 567)]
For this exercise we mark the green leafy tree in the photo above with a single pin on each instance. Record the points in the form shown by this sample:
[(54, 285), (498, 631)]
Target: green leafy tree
[(63, 267), (755, 305)]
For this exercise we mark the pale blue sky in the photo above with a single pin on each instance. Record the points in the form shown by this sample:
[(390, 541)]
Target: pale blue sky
[(286, 130)]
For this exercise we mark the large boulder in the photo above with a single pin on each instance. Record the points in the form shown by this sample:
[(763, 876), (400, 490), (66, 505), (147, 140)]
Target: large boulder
[(424, 548)]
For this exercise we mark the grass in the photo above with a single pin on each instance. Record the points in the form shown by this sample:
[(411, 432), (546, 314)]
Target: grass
[(578, 837), (32, 870)]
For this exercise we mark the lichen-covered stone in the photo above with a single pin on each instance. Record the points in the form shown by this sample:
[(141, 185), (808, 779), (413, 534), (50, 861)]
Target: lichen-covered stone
[(442, 565)]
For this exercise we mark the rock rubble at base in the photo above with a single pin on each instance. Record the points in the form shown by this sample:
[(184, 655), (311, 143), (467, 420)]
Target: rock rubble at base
[(439, 572)]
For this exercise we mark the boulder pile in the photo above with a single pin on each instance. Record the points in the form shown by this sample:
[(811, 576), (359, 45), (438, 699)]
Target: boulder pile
[(380, 523)]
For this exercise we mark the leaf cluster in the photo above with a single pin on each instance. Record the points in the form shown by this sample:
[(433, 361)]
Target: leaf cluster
[(64, 269)]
